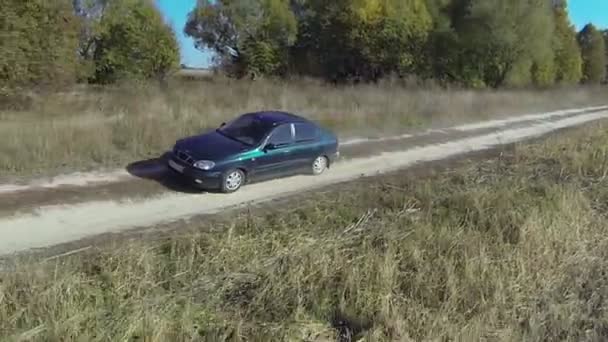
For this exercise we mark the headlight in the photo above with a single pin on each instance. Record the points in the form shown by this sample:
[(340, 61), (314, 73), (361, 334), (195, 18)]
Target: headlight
[(204, 165)]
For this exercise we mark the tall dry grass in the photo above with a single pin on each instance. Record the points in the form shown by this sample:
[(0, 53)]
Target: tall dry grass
[(108, 127), (514, 249)]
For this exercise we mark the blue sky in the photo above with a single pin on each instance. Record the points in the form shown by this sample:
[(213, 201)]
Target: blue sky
[(583, 12), (175, 12)]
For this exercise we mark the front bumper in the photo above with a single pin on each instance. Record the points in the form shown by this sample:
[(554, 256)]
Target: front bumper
[(198, 178)]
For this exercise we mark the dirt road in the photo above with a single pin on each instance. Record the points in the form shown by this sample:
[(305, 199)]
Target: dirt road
[(53, 222)]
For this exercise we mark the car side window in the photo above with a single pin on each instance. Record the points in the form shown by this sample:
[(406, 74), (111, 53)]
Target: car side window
[(305, 132), (281, 136)]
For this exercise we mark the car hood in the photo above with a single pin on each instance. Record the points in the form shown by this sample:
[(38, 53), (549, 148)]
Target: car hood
[(210, 146)]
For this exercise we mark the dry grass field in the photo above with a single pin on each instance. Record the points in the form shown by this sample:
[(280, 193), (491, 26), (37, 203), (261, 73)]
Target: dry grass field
[(98, 128), (509, 249)]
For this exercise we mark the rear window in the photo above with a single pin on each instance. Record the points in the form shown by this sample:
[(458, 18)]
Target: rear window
[(305, 132)]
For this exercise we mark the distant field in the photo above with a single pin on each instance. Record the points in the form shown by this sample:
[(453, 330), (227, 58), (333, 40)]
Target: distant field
[(510, 249), (107, 127)]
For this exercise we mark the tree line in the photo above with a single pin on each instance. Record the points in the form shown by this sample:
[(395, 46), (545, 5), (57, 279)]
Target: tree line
[(474, 43)]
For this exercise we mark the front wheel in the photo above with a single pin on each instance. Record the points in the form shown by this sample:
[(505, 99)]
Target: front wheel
[(232, 180), (319, 165)]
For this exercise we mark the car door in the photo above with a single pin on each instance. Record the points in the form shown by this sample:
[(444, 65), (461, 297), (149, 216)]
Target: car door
[(306, 145), (276, 157)]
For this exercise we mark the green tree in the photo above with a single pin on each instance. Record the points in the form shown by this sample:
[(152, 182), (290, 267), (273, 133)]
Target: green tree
[(390, 34), (91, 12), (133, 42), (491, 42), (360, 39), (249, 36), (539, 44), (445, 52), (323, 47), (38, 40), (568, 61), (439, 10), (502, 41), (593, 50)]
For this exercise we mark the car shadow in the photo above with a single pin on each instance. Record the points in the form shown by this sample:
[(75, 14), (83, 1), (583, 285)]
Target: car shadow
[(156, 170)]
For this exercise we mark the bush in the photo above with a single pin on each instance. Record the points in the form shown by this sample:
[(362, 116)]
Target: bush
[(134, 43)]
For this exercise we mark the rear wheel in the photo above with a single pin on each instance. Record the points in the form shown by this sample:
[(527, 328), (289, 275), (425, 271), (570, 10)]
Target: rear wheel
[(232, 180), (319, 165)]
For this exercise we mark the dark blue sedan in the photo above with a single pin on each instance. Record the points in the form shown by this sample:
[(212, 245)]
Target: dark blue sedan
[(255, 146)]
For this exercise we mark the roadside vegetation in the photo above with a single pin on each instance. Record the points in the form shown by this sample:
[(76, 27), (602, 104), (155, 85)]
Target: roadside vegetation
[(507, 249), (110, 127), (94, 84)]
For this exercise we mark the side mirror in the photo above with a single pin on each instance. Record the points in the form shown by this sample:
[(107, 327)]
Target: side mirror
[(270, 147)]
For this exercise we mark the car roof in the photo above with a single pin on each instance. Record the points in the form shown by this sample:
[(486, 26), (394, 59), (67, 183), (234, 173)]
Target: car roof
[(277, 117)]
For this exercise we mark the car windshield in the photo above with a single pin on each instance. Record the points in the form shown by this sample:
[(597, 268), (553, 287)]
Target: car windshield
[(246, 129)]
